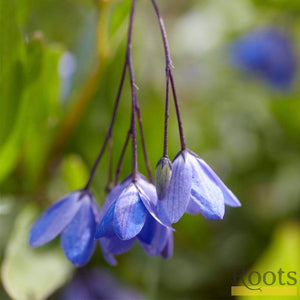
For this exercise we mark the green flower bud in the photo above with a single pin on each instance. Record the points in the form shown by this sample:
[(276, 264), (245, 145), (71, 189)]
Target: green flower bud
[(163, 174)]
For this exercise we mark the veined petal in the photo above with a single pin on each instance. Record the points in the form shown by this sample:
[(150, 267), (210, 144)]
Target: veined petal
[(54, 220), (114, 195), (172, 207), (106, 222), (147, 188), (229, 198), (130, 214), (167, 252), (211, 210), (205, 192), (153, 236), (77, 240), (148, 196)]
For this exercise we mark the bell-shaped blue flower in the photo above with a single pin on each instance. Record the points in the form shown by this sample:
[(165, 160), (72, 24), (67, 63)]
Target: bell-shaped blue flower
[(194, 188), (268, 53), (129, 215), (75, 217)]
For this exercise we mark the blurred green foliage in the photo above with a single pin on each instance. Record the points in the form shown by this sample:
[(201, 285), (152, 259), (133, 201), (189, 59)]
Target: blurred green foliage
[(246, 131)]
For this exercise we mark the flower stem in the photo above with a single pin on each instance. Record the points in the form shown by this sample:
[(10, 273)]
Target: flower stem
[(110, 165), (138, 112), (109, 131), (122, 156), (182, 139), (168, 68), (169, 78), (135, 111), (133, 92)]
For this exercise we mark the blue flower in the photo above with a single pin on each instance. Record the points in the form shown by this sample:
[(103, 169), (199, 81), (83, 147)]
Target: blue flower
[(268, 53), (91, 284), (75, 217), (194, 188), (129, 214)]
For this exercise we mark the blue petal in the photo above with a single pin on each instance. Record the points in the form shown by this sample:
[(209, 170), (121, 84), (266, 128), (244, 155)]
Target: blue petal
[(268, 53), (148, 196), (54, 220), (106, 222), (153, 236), (77, 240), (172, 207), (148, 232), (96, 209), (114, 195), (110, 258), (148, 189), (229, 198), (116, 246), (205, 192), (193, 207), (130, 214), (167, 252)]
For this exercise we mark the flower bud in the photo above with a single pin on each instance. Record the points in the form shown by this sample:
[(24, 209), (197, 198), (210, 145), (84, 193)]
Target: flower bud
[(163, 174)]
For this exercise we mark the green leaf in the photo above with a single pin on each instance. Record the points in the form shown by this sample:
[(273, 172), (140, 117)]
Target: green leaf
[(43, 94), (9, 152), (32, 273), (11, 57), (119, 14)]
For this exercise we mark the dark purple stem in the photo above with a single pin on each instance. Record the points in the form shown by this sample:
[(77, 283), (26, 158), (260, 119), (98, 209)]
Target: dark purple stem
[(169, 77), (168, 68), (182, 139), (109, 131), (138, 112), (110, 164), (122, 157), (133, 92)]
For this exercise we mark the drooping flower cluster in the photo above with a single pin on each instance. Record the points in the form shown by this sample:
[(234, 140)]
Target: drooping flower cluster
[(268, 53), (135, 210), (128, 215)]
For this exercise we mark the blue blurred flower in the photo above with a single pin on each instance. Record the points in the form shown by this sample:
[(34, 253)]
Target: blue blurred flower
[(129, 214), (194, 188), (269, 53), (97, 284), (75, 217)]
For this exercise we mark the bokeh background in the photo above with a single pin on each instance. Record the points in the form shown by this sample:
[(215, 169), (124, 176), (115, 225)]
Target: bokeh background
[(60, 64)]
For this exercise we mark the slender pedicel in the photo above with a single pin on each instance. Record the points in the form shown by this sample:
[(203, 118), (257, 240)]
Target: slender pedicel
[(110, 128), (119, 167), (169, 78), (109, 184), (135, 109), (133, 92), (182, 139), (168, 69), (122, 156), (138, 112)]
